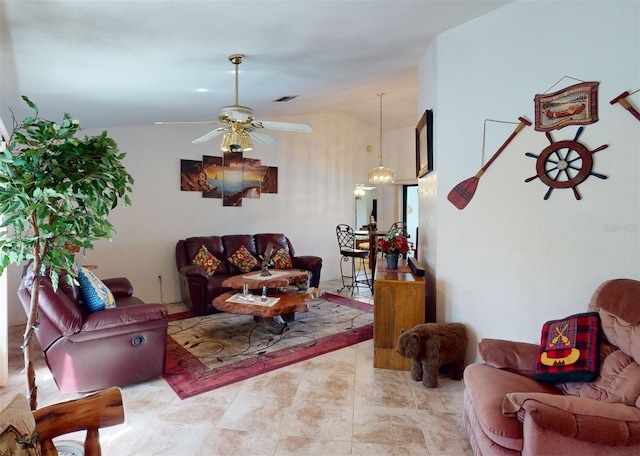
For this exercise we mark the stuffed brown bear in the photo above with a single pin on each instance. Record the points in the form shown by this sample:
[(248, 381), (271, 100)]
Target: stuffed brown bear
[(431, 345)]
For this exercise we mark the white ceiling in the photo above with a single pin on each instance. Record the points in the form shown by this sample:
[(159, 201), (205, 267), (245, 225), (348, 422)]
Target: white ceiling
[(116, 62)]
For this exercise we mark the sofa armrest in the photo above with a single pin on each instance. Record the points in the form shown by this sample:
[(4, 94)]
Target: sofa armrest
[(518, 357), (121, 320), (119, 286), (309, 263), (192, 270), (306, 262), (584, 419)]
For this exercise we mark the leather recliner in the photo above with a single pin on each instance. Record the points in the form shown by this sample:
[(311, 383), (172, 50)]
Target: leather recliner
[(90, 351)]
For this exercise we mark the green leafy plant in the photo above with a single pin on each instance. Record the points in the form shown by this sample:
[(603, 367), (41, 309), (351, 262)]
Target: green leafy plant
[(393, 244), (56, 191)]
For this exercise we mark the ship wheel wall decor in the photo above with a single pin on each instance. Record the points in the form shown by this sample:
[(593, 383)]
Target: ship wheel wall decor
[(565, 164)]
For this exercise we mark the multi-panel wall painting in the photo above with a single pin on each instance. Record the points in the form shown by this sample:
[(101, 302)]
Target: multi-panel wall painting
[(230, 177)]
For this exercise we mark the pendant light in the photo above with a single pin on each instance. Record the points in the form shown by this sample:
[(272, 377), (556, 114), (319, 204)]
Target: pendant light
[(381, 174)]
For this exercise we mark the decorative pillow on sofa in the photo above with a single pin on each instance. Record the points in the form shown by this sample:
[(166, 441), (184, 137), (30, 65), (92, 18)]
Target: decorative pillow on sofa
[(243, 260), (94, 294), (282, 260), (569, 349), (206, 260)]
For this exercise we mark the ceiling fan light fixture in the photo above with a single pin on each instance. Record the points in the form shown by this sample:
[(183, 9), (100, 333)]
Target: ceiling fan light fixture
[(235, 140), (381, 174), (226, 142), (245, 142)]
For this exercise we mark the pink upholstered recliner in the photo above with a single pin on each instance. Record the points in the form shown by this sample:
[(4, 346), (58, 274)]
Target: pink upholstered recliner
[(507, 412), (91, 351)]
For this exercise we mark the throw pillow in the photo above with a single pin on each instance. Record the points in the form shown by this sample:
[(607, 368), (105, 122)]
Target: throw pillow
[(569, 349), (243, 260), (18, 434), (94, 294), (282, 260), (206, 260)]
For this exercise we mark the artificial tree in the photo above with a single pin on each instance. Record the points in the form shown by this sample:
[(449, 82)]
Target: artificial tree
[(56, 190)]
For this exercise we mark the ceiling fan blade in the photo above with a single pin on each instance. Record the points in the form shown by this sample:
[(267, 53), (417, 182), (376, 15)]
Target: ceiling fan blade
[(262, 137), (208, 136), (285, 126)]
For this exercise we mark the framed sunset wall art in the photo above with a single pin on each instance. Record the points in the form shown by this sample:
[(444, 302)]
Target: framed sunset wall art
[(231, 178), (213, 169), (192, 177), (251, 178)]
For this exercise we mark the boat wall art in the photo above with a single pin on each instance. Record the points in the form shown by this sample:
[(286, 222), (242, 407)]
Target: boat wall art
[(574, 105)]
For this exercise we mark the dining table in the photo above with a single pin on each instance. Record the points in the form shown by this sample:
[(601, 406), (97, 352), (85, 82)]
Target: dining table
[(373, 237)]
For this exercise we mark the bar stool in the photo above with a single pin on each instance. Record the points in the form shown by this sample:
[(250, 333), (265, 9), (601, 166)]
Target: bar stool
[(347, 243), (399, 229)]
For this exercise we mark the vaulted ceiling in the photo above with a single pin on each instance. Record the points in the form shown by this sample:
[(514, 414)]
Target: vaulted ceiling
[(115, 62)]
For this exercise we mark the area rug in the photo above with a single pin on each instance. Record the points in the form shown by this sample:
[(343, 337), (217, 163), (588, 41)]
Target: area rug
[(208, 352)]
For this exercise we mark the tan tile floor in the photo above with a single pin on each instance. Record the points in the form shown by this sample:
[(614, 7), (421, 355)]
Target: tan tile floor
[(335, 404)]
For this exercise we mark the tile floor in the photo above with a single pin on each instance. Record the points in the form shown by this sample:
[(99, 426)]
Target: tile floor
[(335, 404)]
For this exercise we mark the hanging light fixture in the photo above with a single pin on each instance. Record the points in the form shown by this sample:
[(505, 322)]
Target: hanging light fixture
[(226, 142), (245, 142), (236, 140), (381, 174)]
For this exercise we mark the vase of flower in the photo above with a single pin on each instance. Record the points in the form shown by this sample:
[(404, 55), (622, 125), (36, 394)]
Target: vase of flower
[(392, 260), (393, 245)]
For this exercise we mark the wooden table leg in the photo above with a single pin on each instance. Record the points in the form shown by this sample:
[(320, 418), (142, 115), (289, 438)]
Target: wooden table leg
[(275, 325), (372, 250)]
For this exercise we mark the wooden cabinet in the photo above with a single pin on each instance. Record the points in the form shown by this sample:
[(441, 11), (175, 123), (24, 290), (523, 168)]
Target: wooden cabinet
[(399, 304)]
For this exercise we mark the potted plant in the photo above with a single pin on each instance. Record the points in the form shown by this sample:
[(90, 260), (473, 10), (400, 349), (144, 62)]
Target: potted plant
[(392, 245), (57, 191)]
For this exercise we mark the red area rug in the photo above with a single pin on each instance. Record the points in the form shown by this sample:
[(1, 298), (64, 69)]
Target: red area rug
[(205, 353)]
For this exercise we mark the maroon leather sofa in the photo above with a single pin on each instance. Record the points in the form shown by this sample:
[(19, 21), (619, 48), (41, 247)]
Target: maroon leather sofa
[(198, 289), (91, 351)]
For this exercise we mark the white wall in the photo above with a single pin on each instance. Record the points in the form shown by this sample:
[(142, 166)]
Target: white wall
[(317, 176), (428, 185), (399, 154), (510, 260)]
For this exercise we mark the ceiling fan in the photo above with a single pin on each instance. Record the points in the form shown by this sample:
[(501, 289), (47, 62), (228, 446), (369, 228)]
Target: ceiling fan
[(239, 126)]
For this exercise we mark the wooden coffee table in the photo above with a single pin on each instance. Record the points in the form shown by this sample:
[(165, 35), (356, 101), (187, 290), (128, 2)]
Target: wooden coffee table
[(278, 278), (274, 317)]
